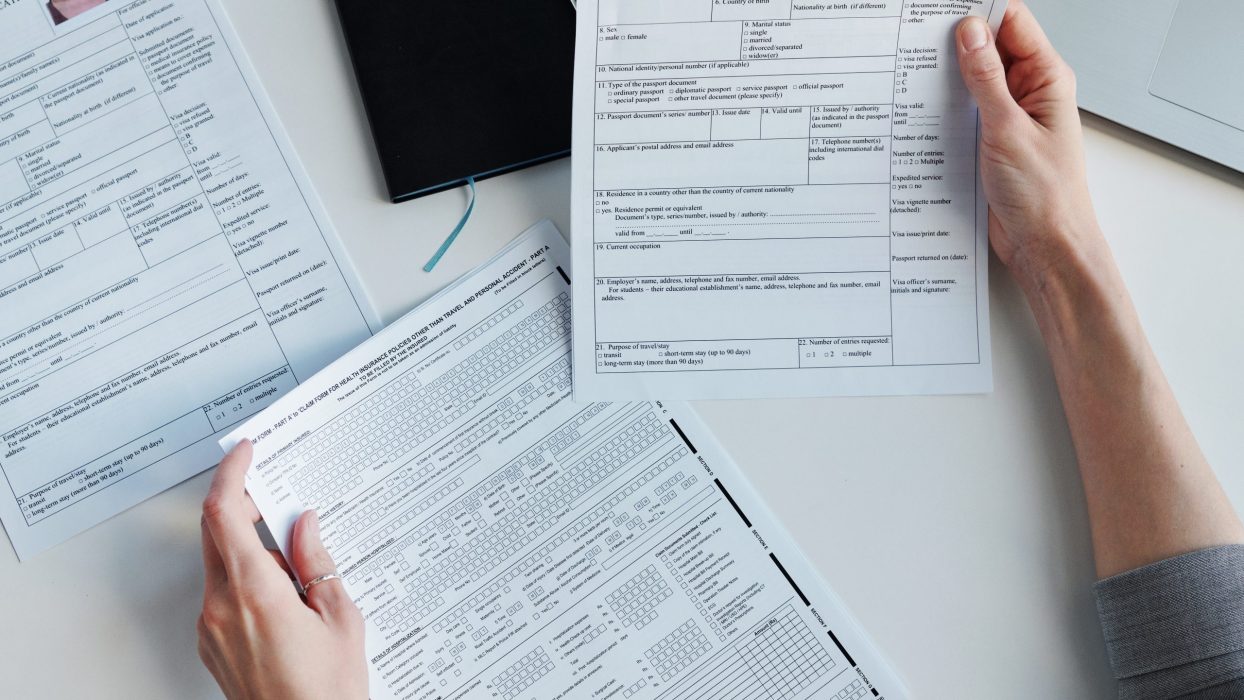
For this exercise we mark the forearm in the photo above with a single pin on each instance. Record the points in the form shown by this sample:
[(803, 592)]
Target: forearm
[(1151, 494)]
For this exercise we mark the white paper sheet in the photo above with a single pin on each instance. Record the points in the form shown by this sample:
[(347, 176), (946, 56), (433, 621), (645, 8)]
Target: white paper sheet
[(776, 198), (165, 269), (506, 542)]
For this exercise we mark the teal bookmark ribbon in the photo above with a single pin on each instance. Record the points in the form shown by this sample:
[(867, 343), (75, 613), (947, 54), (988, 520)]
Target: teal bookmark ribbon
[(440, 253)]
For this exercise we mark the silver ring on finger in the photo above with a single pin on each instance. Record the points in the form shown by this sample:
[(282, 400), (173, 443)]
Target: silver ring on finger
[(306, 587)]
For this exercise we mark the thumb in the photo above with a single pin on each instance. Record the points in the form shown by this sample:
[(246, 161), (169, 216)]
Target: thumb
[(983, 72), (312, 561)]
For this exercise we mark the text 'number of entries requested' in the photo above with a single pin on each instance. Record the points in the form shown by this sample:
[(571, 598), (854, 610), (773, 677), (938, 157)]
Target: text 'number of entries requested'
[(783, 200)]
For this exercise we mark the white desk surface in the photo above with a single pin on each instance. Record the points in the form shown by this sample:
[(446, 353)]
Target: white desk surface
[(958, 524)]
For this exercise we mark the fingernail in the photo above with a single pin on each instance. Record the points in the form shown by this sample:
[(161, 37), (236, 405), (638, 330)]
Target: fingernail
[(974, 34), (314, 522)]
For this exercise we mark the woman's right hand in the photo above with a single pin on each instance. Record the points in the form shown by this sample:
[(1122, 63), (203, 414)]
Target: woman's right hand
[(258, 638), (1032, 156)]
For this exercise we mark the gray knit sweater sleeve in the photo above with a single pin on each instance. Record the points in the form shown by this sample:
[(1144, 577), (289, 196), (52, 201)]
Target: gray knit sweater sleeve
[(1175, 629)]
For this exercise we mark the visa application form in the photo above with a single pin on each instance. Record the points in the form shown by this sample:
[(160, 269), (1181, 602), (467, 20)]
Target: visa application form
[(777, 198), (166, 270), (506, 542)]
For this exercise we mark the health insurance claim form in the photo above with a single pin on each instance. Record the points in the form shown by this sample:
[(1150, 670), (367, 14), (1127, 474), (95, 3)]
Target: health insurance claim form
[(165, 269), (777, 198), (505, 542)]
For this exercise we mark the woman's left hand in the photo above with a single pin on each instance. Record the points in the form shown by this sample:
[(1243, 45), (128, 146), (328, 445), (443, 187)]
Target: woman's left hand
[(257, 635)]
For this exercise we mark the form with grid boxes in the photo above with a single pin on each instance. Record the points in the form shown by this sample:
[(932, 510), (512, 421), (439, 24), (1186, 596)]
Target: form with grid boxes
[(506, 542)]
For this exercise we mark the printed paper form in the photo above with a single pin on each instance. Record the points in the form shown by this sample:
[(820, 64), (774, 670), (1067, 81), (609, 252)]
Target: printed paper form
[(776, 198), (165, 269), (506, 542)]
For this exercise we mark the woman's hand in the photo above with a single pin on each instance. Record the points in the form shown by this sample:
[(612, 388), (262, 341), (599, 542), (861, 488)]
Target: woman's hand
[(256, 634), (1032, 159)]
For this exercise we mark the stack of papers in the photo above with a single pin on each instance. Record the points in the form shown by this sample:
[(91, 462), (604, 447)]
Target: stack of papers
[(770, 199)]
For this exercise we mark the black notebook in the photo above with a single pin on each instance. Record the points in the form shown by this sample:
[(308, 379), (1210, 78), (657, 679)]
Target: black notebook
[(465, 88)]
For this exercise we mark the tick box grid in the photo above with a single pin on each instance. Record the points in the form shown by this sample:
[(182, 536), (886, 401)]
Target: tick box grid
[(523, 674), (678, 650), (406, 414), (636, 601)]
